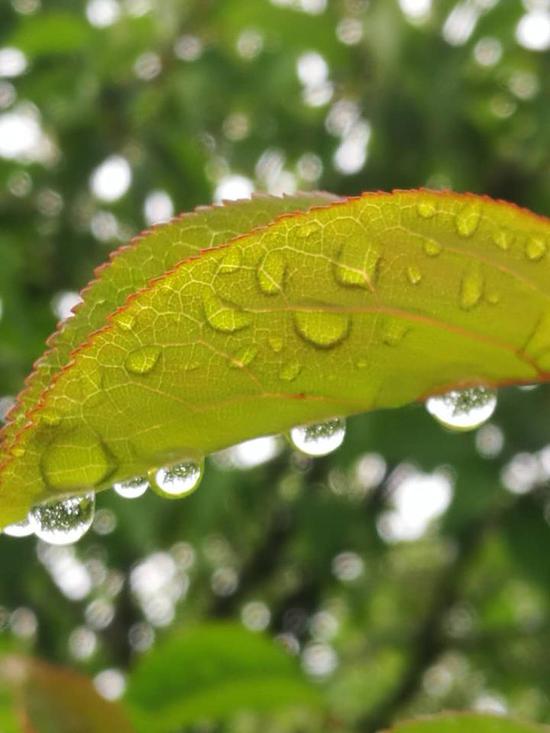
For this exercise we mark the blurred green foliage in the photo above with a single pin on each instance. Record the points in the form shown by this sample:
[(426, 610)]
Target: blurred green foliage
[(386, 620)]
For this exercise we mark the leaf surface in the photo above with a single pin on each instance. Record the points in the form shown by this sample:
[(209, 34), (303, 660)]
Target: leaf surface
[(212, 672), (366, 303)]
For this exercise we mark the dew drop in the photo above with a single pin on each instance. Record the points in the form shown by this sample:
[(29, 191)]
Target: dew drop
[(322, 328), (271, 273), (19, 529), (133, 488), (223, 316), (471, 288), (243, 357), (357, 265), (125, 320), (143, 360), (231, 261), (502, 239), (276, 343), (290, 370), (432, 248), (465, 409), (426, 209), (319, 439), (62, 522), (467, 220), (177, 480), (535, 249), (414, 276)]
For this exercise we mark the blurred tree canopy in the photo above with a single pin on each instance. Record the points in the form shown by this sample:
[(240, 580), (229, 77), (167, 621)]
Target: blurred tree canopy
[(409, 571)]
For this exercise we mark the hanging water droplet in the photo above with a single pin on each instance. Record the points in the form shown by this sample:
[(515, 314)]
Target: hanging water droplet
[(19, 529), (464, 409), (290, 370), (319, 439), (133, 488), (224, 316), (535, 249), (426, 209), (142, 361), (271, 273), (125, 320), (231, 261), (502, 239), (242, 357), (177, 480), (357, 264), (414, 276), (432, 248), (62, 522), (471, 287), (322, 328), (467, 220)]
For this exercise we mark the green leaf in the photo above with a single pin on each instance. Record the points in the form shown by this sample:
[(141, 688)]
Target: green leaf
[(468, 723), (51, 699), (212, 672), (367, 303), (51, 33)]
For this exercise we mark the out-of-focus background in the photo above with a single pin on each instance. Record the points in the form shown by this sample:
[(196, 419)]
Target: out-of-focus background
[(407, 572)]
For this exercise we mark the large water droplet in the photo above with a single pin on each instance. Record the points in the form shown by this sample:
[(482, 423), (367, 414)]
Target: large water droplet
[(322, 328), (290, 370), (243, 356), (271, 273), (224, 316), (142, 361), (62, 522), (357, 264), (471, 287), (231, 261), (177, 480), (426, 209), (133, 488), (464, 409), (19, 529), (76, 460), (467, 220), (414, 276), (535, 248), (432, 248), (319, 439), (502, 239)]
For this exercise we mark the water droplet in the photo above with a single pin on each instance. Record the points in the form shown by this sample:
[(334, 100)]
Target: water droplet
[(393, 332), (426, 209), (276, 343), (357, 264), (231, 260), (177, 480), (133, 488), (271, 273), (471, 287), (432, 248), (76, 460), (464, 409), (224, 316), (502, 239), (467, 220), (414, 276), (125, 320), (290, 370), (62, 522), (243, 357), (322, 328), (535, 249), (143, 360), (19, 529), (319, 439)]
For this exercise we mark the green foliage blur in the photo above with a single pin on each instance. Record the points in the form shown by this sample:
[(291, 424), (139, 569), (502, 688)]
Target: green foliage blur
[(409, 571)]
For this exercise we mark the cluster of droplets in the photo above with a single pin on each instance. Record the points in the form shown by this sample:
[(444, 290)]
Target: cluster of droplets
[(463, 410)]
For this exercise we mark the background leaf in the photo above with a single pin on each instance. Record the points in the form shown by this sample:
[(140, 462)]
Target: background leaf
[(467, 723)]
